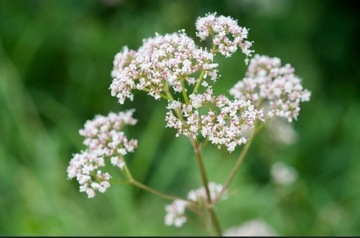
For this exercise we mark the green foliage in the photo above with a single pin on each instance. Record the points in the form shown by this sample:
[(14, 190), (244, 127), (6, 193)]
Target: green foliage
[(55, 63)]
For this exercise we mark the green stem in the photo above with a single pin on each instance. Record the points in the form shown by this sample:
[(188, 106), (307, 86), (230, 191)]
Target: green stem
[(198, 82), (154, 191), (205, 182), (147, 188), (213, 48), (185, 96), (167, 91)]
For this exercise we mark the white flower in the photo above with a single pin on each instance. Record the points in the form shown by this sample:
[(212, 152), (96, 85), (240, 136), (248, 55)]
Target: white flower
[(199, 195), (175, 212), (256, 227)]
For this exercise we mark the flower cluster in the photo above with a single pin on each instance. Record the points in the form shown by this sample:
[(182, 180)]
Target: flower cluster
[(104, 140), (199, 195), (161, 62), (267, 81), (224, 121), (171, 64), (175, 212), (172, 67), (225, 32)]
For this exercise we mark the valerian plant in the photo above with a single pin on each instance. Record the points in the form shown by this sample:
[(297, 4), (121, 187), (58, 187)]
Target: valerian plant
[(173, 68)]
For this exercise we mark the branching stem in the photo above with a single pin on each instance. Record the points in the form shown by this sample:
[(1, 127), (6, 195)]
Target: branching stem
[(149, 189)]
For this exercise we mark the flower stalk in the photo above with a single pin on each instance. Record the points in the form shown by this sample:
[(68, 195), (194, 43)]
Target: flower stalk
[(205, 182)]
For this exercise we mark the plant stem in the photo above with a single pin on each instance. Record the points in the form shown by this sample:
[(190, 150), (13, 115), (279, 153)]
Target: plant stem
[(154, 191), (183, 90), (205, 182), (198, 81), (147, 188)]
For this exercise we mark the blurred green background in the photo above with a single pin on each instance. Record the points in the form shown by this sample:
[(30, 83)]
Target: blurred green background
[(55, 63)]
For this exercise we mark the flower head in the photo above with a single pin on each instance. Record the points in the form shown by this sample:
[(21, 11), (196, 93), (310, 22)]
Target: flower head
[(268, 82), (226, 34), (169, 60), (104, 140), (222, 121)]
